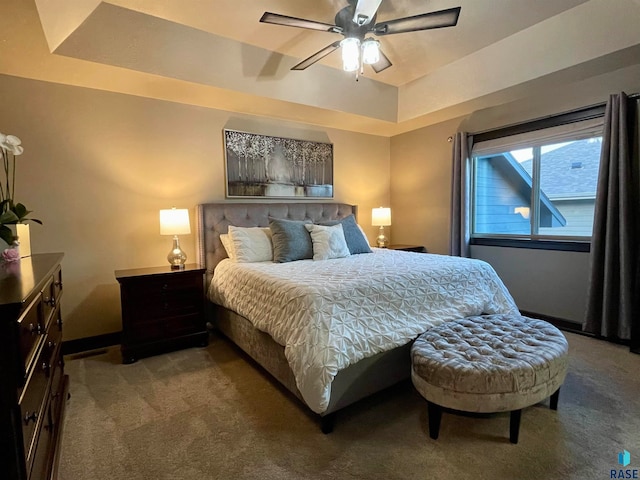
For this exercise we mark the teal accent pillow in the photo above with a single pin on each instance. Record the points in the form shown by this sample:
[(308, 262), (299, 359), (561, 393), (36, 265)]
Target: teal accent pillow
[(356, 241), (291, 240)]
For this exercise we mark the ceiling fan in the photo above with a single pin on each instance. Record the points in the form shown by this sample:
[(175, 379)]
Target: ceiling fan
[(355, 22)]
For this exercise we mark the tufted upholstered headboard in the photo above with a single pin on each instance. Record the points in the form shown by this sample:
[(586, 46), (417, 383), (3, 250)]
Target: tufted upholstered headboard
[(212, 219)]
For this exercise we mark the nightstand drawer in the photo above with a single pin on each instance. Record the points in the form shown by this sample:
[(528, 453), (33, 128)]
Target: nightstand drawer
[(164, 285), (185, 325), (171, 303), (165, 328)]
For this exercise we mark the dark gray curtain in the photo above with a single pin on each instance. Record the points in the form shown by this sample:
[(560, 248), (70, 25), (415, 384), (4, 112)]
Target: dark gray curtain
[(612, 308), (459, 244)]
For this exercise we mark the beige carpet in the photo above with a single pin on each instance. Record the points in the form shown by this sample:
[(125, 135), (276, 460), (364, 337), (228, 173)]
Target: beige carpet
[(211, 413)]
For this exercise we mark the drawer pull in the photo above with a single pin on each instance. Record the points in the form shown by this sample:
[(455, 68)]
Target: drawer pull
[(35, 329), (59, 323), (30, 417), (52, 345), (46, 368), (50, 301), (58, 284), (165, 287)]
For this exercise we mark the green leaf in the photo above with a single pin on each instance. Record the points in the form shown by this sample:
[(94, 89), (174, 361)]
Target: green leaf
[(6, 234), (20, 210), (8, 217)]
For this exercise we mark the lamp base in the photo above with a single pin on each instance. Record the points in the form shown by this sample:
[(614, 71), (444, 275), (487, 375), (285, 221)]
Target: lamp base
[(382, 241), (176, 256)]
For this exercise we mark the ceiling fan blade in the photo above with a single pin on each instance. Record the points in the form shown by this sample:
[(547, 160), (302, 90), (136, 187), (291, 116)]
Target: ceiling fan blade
[(381, 64), (278, 19), (365, 11), (307, 62), (425, 21)]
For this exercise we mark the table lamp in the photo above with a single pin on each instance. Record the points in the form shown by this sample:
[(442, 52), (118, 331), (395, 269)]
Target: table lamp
[(175, 221), (381, 217)]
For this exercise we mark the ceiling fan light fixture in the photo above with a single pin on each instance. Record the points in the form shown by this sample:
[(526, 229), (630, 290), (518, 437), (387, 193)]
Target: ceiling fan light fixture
[(350, 54), (370, 51)]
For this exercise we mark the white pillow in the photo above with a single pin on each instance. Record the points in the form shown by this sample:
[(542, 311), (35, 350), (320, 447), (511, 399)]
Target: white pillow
[(328, 241), (251, 244), (228, 246)]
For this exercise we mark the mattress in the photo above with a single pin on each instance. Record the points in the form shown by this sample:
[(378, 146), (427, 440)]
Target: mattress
[(330, 314)]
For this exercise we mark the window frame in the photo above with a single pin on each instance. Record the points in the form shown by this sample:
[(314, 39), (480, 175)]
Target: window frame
[(532, 241)]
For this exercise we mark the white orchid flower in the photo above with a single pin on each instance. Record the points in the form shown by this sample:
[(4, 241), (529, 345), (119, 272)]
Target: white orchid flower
[(11, 143), (13, 140)]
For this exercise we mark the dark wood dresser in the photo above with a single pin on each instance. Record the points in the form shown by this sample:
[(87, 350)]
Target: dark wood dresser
[(33, 386), (162, 309)]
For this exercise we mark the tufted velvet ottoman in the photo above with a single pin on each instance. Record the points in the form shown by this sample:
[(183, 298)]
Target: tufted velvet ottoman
[(489, 363)]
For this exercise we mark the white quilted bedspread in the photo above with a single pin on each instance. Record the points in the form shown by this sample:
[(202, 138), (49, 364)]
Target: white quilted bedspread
[(330, 314)]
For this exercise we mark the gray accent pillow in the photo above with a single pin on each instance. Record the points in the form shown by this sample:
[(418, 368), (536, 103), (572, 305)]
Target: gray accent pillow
[(356, 241), (291, 240)]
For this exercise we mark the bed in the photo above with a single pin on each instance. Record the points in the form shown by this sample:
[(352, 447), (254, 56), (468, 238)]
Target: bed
[(334, 331)]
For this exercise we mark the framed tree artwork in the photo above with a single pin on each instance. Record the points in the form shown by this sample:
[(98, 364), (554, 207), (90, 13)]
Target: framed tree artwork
[(266, 166)]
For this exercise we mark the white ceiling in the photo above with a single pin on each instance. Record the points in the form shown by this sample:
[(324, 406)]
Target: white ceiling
[(215, 53)]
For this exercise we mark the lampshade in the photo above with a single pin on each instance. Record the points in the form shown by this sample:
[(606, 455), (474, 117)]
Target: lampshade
[(370, 51), (381, 216), (350, 54), (174, 222)]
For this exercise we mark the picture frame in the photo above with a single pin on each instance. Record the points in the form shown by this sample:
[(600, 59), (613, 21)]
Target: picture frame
[(276, 167)]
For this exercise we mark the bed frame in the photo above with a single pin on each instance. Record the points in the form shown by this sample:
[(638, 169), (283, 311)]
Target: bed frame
[(355, 382)]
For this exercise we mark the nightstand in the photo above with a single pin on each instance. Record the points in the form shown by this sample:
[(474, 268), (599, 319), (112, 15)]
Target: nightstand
[(408, 248), (162, 310)]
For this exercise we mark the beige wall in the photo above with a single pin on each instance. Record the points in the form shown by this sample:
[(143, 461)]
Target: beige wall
[(98, 166), (421, 186)]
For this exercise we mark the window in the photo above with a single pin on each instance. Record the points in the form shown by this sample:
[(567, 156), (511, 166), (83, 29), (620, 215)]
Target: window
[(537, 185)]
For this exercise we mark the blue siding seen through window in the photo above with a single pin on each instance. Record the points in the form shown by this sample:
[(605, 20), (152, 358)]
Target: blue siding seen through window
[(504, 189)]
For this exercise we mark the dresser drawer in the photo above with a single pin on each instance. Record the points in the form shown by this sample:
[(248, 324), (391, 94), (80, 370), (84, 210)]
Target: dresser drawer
[(33, 398), (54, 334), (30, 328), (57, 385), (57, 284), (48, 301), (42, 450)]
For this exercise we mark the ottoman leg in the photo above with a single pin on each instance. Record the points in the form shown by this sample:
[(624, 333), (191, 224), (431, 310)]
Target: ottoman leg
[(553, 402), (514, 426), (435, 415)]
